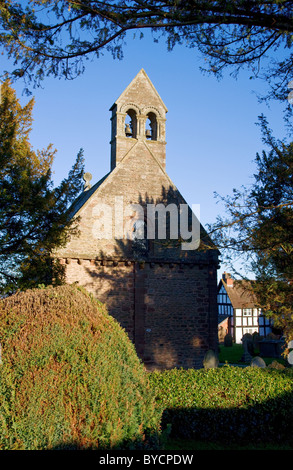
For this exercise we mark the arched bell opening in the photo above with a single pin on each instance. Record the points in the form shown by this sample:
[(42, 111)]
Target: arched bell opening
[(151, 130), (131, 124)]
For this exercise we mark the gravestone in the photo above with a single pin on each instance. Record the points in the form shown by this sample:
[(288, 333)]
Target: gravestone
[(258, 362), (247, 343), (256, 340), (290, 355), (271, 348), (210, 360), (228, 340)]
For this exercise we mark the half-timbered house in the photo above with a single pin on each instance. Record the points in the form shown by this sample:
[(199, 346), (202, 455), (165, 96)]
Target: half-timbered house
[(238, 313)]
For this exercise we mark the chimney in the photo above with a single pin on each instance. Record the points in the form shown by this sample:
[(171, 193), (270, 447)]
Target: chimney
[(227, 279)]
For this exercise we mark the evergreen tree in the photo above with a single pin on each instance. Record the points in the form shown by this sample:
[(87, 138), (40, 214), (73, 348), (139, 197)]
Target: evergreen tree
[(259, 226), (34, 215)]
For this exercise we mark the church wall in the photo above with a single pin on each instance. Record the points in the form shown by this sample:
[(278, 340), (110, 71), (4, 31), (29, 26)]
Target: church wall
[(138, 181), (177, 315), (165, 308), (110, 284), (124, 145)]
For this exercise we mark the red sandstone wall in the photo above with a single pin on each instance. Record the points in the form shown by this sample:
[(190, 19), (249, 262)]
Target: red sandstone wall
[(165, 308)]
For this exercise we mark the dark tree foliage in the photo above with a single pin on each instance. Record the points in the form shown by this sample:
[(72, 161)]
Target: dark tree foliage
[(34, 215), (259, 226), (46, 37)]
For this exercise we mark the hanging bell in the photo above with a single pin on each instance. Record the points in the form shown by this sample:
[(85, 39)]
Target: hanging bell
[(128, 131), (148, 134)]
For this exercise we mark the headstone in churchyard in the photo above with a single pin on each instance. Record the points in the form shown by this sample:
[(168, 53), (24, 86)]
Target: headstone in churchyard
[(290, 355), (247, 343), (271, 347), (228, 340), (256, 338), (258, 362), (210, 360)]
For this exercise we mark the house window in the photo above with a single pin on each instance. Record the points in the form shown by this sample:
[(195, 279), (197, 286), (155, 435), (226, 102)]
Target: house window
[(247, 312)]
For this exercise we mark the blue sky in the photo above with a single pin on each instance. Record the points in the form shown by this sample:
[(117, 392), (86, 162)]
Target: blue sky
[(211, 131)]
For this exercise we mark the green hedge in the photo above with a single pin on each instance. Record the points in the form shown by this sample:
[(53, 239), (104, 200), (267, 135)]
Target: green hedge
[(227, 404), (70, 377)]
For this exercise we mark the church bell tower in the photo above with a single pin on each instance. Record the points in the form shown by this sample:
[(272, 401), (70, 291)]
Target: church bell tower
[(138, 115)]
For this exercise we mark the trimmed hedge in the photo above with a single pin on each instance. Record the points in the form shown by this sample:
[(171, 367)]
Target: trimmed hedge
[(70, 376), (227, 404)]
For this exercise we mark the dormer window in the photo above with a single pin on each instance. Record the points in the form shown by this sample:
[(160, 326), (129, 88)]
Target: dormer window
[(131, 124), (151, 127)]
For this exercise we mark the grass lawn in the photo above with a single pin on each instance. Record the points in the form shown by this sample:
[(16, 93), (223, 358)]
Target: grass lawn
[(233, 354)]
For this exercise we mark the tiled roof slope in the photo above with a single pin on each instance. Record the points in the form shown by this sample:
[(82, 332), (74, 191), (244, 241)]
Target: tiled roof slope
[(240, 294)]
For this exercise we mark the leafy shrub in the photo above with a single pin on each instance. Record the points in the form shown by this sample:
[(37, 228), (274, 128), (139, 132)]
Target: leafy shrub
[(228, 403), (70, 376)]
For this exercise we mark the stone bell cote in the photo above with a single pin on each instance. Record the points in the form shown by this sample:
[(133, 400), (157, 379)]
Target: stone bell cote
[(138, 115)]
